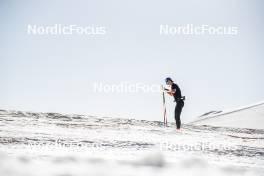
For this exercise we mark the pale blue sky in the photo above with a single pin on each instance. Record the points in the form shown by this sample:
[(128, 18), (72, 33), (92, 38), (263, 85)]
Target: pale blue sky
[(56, 73)]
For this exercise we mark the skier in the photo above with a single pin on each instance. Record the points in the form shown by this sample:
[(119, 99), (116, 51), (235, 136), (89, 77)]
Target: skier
[(175, 91)]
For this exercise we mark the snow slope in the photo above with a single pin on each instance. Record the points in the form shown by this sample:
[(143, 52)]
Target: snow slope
[(36, 144), (251, 117)]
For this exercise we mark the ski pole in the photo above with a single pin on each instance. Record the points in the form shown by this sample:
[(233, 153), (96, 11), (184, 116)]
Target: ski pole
[(164, 107)]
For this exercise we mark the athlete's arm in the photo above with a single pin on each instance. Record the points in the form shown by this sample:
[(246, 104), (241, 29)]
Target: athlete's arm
[(171, 92)]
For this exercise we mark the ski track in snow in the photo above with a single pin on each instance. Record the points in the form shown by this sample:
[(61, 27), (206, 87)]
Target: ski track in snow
[(57, 144)]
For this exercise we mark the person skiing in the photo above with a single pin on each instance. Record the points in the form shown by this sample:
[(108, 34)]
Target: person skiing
[(175, 91)]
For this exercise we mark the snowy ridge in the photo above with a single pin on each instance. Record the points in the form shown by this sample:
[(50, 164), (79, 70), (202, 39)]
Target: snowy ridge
[(61, 144), (251, 116)]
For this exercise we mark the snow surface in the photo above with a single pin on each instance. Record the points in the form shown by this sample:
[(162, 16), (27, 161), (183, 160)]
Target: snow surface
[(64, 145), (251, 116)]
